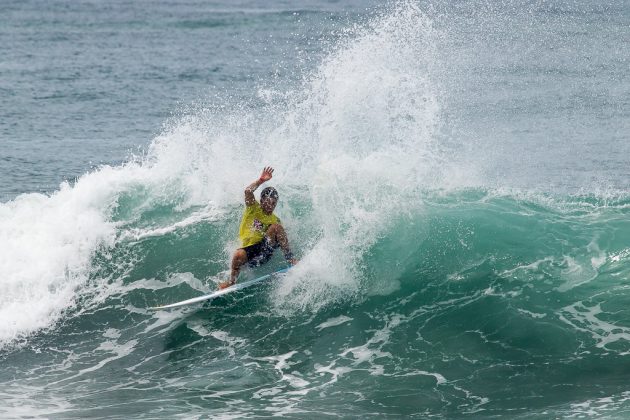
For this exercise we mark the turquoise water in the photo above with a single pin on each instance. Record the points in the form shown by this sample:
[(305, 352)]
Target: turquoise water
[(453, 178)]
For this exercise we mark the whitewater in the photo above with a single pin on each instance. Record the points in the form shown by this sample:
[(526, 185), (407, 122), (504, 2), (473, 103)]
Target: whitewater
[(453, 179)]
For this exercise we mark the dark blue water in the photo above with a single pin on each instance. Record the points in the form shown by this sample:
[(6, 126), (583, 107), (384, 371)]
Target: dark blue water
[(453, 177)]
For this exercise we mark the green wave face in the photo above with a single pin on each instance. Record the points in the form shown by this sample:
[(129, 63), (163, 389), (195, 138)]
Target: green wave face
[(471, 286)]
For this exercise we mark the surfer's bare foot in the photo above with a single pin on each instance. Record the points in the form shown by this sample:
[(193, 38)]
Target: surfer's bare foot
[(225, 284)]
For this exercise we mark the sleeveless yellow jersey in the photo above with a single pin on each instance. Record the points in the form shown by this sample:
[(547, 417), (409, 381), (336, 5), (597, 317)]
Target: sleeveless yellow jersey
[(254, 224)]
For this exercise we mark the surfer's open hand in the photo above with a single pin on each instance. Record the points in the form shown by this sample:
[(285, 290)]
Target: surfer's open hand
[(267, 174)]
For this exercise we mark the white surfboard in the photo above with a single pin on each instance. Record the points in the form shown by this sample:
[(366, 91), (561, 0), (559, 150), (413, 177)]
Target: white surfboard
[(221, 292)]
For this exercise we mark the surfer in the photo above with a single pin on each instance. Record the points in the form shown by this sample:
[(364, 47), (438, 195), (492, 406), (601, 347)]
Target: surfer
[(261, 231)]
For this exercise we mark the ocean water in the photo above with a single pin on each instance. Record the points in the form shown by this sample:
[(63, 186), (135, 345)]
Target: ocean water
[(453, 177)]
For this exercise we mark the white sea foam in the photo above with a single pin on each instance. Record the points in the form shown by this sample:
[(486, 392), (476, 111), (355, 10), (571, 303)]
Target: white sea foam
[(47, 242), (579, 272), (45, 249), (137, 234), (588, 319), (333, 322), (613, 406)]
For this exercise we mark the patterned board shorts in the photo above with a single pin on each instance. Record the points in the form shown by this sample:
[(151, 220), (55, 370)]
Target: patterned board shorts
[(259, 253)]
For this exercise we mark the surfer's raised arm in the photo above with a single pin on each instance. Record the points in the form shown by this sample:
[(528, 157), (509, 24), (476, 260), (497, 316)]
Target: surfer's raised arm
[(266, 175)]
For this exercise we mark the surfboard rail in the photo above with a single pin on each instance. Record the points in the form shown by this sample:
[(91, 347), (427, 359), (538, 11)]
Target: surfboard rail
[(216, 294)]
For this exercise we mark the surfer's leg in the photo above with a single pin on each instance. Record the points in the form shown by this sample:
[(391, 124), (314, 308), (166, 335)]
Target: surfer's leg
[(239, 258)]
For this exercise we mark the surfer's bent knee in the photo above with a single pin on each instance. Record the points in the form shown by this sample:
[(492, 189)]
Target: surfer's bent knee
[(240, 256)]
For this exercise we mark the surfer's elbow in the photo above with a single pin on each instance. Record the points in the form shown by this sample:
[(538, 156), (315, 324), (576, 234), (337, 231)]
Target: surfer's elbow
[(249, 197)]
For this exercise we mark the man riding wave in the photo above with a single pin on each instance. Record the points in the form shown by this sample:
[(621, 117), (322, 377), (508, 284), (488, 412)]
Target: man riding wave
[(261, 231)]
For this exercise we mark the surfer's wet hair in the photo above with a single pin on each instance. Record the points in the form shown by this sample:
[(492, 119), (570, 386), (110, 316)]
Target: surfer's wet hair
[(269, 192)]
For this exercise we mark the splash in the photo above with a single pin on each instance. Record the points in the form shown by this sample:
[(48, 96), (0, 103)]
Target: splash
[(367, 139), (351, 148)]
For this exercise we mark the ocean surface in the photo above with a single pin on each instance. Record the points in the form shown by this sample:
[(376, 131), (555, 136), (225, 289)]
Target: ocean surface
[(453, 176)]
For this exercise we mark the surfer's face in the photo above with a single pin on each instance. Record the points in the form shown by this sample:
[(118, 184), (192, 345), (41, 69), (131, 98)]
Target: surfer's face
[(268, 204)]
